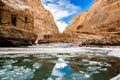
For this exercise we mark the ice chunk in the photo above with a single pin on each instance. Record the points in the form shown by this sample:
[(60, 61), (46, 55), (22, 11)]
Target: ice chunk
[(36, 65)]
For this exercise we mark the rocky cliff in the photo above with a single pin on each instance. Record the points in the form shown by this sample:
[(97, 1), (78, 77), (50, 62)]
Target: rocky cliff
[(24, 22), (100, 25)]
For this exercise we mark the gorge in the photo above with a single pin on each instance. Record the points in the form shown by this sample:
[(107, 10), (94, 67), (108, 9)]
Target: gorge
[(100, 25), (26, 22), (32, 47)]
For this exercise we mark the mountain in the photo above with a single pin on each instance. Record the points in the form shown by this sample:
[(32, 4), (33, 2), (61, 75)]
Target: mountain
[(99, 25), (24, 22)]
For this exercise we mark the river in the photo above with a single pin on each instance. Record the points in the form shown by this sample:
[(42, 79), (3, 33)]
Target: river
[(59, 62)]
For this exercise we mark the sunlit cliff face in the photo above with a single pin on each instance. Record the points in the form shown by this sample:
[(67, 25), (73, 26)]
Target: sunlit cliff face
[(24, 22), (98, 26)]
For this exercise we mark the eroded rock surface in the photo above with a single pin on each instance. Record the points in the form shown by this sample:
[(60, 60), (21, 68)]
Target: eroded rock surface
[(24, 22), (100, 25)]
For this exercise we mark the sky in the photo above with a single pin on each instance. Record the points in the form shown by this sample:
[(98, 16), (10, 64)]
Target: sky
[(63, 11)]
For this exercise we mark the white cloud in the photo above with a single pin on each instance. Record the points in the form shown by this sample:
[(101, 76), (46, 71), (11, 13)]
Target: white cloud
[(61, 9), (61, 25)]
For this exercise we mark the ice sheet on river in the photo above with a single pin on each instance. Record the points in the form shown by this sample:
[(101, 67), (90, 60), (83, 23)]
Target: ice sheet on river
[(61, 49)]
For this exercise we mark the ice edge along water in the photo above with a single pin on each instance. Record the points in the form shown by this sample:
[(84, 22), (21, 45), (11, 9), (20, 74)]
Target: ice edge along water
[(32, 50)]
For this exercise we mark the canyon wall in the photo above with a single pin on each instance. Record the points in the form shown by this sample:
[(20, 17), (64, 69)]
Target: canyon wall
[(24, 22), (99, 25)]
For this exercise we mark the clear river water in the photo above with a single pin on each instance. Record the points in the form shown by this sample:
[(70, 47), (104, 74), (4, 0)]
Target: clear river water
[(58, 63)]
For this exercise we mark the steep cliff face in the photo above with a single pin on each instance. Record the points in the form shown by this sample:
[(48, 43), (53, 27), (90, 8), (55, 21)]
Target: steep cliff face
[(101, 23), (23, 22)]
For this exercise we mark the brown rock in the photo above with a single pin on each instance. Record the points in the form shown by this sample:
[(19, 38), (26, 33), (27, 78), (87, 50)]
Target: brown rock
[(100, 25), (24, 22)]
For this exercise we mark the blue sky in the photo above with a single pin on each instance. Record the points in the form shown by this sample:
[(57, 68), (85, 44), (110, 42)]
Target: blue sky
[(64, 10)]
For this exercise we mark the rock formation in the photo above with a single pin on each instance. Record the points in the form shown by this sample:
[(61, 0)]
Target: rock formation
[(24, 22), (100, 25)]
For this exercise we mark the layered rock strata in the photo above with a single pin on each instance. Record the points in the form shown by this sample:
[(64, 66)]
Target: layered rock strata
[(100, 25), (24, 22)]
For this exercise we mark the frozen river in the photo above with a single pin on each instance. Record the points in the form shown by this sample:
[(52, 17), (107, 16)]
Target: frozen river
[(59, 62)]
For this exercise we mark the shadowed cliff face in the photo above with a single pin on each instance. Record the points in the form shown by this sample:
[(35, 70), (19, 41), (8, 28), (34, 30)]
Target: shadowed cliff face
[(100, 25), (24, 22)]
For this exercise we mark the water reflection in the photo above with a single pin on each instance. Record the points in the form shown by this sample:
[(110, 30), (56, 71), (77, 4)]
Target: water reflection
[(63, 71), (61, 68), (82, 67)]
